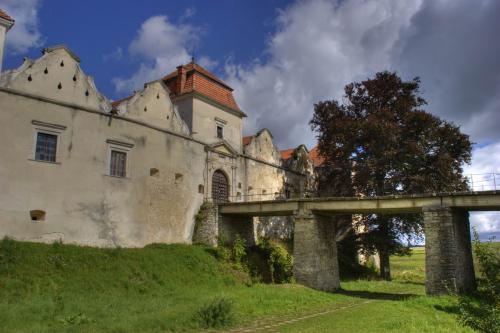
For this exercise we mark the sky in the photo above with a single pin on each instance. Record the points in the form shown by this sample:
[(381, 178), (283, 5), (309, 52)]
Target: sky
[(282, 56)]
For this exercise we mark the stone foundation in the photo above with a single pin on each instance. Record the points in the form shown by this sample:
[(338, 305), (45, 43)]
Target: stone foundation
[(206, 228), (315, 252), (448, 254)]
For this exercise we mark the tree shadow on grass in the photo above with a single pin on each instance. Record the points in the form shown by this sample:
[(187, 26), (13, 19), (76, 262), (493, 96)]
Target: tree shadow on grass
[(453, 309), (411, 282), (376, 295)]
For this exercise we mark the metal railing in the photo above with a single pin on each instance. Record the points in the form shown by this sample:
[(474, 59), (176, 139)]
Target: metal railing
[(267, 194), (475, 182), (483, 181)]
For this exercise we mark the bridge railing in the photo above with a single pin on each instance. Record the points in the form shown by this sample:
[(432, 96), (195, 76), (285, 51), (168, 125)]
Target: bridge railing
[(483, 181), (476, 183)]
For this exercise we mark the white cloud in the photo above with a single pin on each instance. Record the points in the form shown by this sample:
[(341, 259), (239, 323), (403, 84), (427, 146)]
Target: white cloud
[(25, 34), (318, 47), (485, 174), (486, 222), (161, 46), (207, 62), (115, 55)]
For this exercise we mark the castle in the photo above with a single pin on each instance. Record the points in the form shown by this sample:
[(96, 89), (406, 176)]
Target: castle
[(80, 168)]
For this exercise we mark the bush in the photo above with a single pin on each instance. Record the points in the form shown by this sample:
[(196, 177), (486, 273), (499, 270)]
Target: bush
[(279, 261), (217, 313), (238, 252), (481, 311)]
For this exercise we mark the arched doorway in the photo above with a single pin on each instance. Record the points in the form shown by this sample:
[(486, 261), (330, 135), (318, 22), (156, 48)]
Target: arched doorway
[(220, 187)]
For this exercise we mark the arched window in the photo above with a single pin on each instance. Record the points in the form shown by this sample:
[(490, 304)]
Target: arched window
[(220, 187)]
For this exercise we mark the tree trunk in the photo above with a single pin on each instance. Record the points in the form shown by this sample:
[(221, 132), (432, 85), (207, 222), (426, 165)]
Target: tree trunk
[(385, 267)]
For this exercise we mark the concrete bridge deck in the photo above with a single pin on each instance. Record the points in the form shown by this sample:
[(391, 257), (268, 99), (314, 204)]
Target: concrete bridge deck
[(470, 201), (448, 250)]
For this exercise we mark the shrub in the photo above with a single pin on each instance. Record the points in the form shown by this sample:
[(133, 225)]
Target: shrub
[(481, 311), (217, 313), (279, 261), (8, 254), (238, 251)]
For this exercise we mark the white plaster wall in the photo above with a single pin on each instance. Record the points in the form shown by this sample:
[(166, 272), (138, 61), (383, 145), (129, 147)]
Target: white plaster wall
[(50, 70), (3, 31), (263, 180), (83, 204), (204, 124)]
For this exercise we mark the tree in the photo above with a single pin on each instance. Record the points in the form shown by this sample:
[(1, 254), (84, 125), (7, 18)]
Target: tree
[(379, 141)]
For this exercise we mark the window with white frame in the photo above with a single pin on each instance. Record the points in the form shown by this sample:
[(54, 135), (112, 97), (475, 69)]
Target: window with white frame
[(46, 141), (46, 147), (118, 158), (118, 163)]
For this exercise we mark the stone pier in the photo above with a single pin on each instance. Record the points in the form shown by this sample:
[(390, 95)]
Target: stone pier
[(448, 254), (315, 251)]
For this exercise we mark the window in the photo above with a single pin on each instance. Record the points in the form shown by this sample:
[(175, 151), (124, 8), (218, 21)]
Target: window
[(118, 163), (119, 159), (46, 147), (220, 132)]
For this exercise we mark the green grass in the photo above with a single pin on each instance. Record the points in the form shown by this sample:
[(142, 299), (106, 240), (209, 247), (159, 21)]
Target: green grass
[(63, 288)]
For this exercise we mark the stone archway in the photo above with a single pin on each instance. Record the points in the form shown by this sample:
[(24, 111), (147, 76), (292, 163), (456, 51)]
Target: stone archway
[(220, 187)]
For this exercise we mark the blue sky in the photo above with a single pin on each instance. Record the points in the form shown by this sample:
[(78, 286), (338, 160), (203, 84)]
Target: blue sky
[(283, 56), (95, 30)]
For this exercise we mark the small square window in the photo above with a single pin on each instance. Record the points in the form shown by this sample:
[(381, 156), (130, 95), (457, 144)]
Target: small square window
[(46, 147), (220, 132), (118, 164)]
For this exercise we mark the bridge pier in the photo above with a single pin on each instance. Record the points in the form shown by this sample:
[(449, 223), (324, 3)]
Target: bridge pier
[(315, 251), (448, 251)]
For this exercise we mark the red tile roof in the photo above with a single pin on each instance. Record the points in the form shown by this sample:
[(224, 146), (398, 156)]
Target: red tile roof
[(287, 153), (5, 16), (317, 159), (247, 140), (203, 82)]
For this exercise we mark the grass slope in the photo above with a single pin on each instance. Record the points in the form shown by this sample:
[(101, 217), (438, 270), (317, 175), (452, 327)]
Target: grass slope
[(64, 288)]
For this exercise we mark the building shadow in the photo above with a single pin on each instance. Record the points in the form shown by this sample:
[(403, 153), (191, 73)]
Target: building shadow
[(376, 295)]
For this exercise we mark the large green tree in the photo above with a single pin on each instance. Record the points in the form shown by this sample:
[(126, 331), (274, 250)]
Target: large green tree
[(379, 141)]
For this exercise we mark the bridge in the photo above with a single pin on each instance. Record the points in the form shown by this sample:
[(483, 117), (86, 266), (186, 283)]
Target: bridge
[(448, 251)]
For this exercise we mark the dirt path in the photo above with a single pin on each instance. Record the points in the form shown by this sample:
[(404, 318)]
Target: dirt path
[(273, 323)]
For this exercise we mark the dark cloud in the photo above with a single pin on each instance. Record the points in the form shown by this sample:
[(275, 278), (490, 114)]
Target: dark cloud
[(453, 46)]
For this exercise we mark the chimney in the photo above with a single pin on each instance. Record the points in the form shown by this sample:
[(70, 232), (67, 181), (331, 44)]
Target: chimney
[(181, 79), (6, 22)]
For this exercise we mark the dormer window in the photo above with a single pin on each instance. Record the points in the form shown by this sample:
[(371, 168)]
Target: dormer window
[(220, 132)]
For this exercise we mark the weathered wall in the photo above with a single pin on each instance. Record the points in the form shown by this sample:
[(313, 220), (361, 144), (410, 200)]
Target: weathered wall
[(172, 153), (3, 31), (56, 75), (294, 179), (82, 203), (204, 124), (206, 229)]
